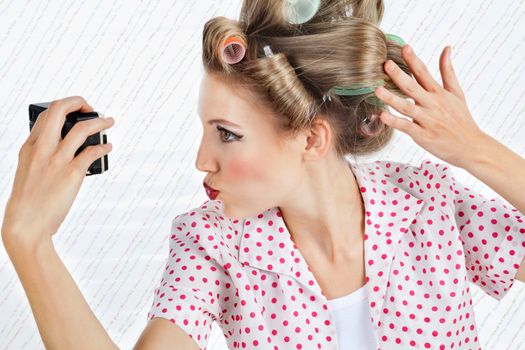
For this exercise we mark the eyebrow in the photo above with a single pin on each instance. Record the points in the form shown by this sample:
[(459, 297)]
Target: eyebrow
[(223, 121)]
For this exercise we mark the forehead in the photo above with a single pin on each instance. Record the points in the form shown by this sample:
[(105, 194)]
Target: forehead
[(219, 100)]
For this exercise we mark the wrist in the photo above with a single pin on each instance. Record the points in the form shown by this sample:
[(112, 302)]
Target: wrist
[(483, 149), (24, 245)]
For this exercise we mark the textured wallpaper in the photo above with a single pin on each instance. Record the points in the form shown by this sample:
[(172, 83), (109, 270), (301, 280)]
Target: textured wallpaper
[(139, 61)]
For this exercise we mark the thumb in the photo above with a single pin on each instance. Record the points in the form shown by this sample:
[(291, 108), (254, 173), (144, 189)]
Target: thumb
[(450, 80), (89, 155)]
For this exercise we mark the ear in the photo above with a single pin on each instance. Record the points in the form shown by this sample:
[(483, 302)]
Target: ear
[(318, 139)]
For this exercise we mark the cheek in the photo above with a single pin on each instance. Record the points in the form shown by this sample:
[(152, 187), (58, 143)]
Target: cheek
[(246, 171)]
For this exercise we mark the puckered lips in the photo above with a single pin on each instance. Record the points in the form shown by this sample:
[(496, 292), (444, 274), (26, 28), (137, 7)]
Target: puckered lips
[(211, 192)]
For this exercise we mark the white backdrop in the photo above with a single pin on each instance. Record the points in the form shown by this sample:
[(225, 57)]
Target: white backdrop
[(139, 61)]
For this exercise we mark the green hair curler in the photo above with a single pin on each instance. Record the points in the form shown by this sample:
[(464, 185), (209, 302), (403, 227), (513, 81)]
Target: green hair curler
[(300, 11), (395, 38), (356, 89)]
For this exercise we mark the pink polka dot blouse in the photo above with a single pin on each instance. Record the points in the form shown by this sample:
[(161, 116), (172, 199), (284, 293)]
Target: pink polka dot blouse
[(427, 236)]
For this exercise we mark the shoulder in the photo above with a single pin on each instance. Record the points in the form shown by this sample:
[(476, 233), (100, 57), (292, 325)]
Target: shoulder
[(427, 178), (204, 218), (204, 228), (425, 168)]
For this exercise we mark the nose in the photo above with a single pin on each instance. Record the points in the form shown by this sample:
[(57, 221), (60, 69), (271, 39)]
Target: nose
[(204, 161)]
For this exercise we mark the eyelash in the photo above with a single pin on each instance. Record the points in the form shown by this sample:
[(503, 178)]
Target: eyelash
[(221, 129)]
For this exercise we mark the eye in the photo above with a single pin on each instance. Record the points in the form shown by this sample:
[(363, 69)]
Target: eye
[(227, 132)]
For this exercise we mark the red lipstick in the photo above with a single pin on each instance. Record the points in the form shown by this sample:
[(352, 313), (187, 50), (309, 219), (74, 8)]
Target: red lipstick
[(211, 192)]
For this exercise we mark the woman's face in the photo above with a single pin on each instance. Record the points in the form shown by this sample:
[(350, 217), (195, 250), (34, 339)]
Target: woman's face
[(246, 163)]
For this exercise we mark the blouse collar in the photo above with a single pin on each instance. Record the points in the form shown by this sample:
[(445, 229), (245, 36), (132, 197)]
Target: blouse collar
[(381, 189)]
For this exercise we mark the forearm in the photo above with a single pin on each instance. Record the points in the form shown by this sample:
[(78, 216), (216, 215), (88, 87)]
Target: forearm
[(501, 169), (63, 317)]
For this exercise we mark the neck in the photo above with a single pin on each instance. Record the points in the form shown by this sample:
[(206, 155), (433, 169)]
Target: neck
[(325, 214)]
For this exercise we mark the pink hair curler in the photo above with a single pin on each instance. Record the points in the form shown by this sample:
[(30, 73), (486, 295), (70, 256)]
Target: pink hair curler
[(233, 49)]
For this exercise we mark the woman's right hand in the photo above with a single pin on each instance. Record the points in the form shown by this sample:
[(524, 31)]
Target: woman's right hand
[(49, 176)]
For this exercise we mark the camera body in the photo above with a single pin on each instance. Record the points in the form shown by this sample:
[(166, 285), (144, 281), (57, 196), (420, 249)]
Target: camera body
[(98, 166)]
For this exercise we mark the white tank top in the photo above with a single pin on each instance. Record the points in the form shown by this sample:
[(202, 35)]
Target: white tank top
[(352, 321)]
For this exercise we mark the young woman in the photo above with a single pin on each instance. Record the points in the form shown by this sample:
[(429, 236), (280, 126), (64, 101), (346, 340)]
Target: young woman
[(297, 248)]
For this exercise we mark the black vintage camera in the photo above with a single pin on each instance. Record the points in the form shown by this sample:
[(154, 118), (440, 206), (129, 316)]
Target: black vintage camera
[(98, 166)]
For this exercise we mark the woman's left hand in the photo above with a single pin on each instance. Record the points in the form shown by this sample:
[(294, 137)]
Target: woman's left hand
[(442, 123)]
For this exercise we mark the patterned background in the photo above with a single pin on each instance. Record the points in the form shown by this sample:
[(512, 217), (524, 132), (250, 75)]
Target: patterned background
[(139, 61)]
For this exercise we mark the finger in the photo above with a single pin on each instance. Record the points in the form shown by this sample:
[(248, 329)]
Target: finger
[(420, 70), (54, 120), (78, 135), (90, 154), (401, 105), (406, 126), (35, 130), (406, 84), (450, 80)]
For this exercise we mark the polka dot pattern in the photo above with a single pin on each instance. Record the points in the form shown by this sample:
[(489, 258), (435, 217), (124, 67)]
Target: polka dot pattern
[(491, 231), (426, 237)]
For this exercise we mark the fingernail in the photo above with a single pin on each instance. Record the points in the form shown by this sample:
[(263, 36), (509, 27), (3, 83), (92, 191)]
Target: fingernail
[(408, 49), (111, 119)]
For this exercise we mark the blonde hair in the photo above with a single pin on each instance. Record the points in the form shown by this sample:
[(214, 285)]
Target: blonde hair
[(334, 48)]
